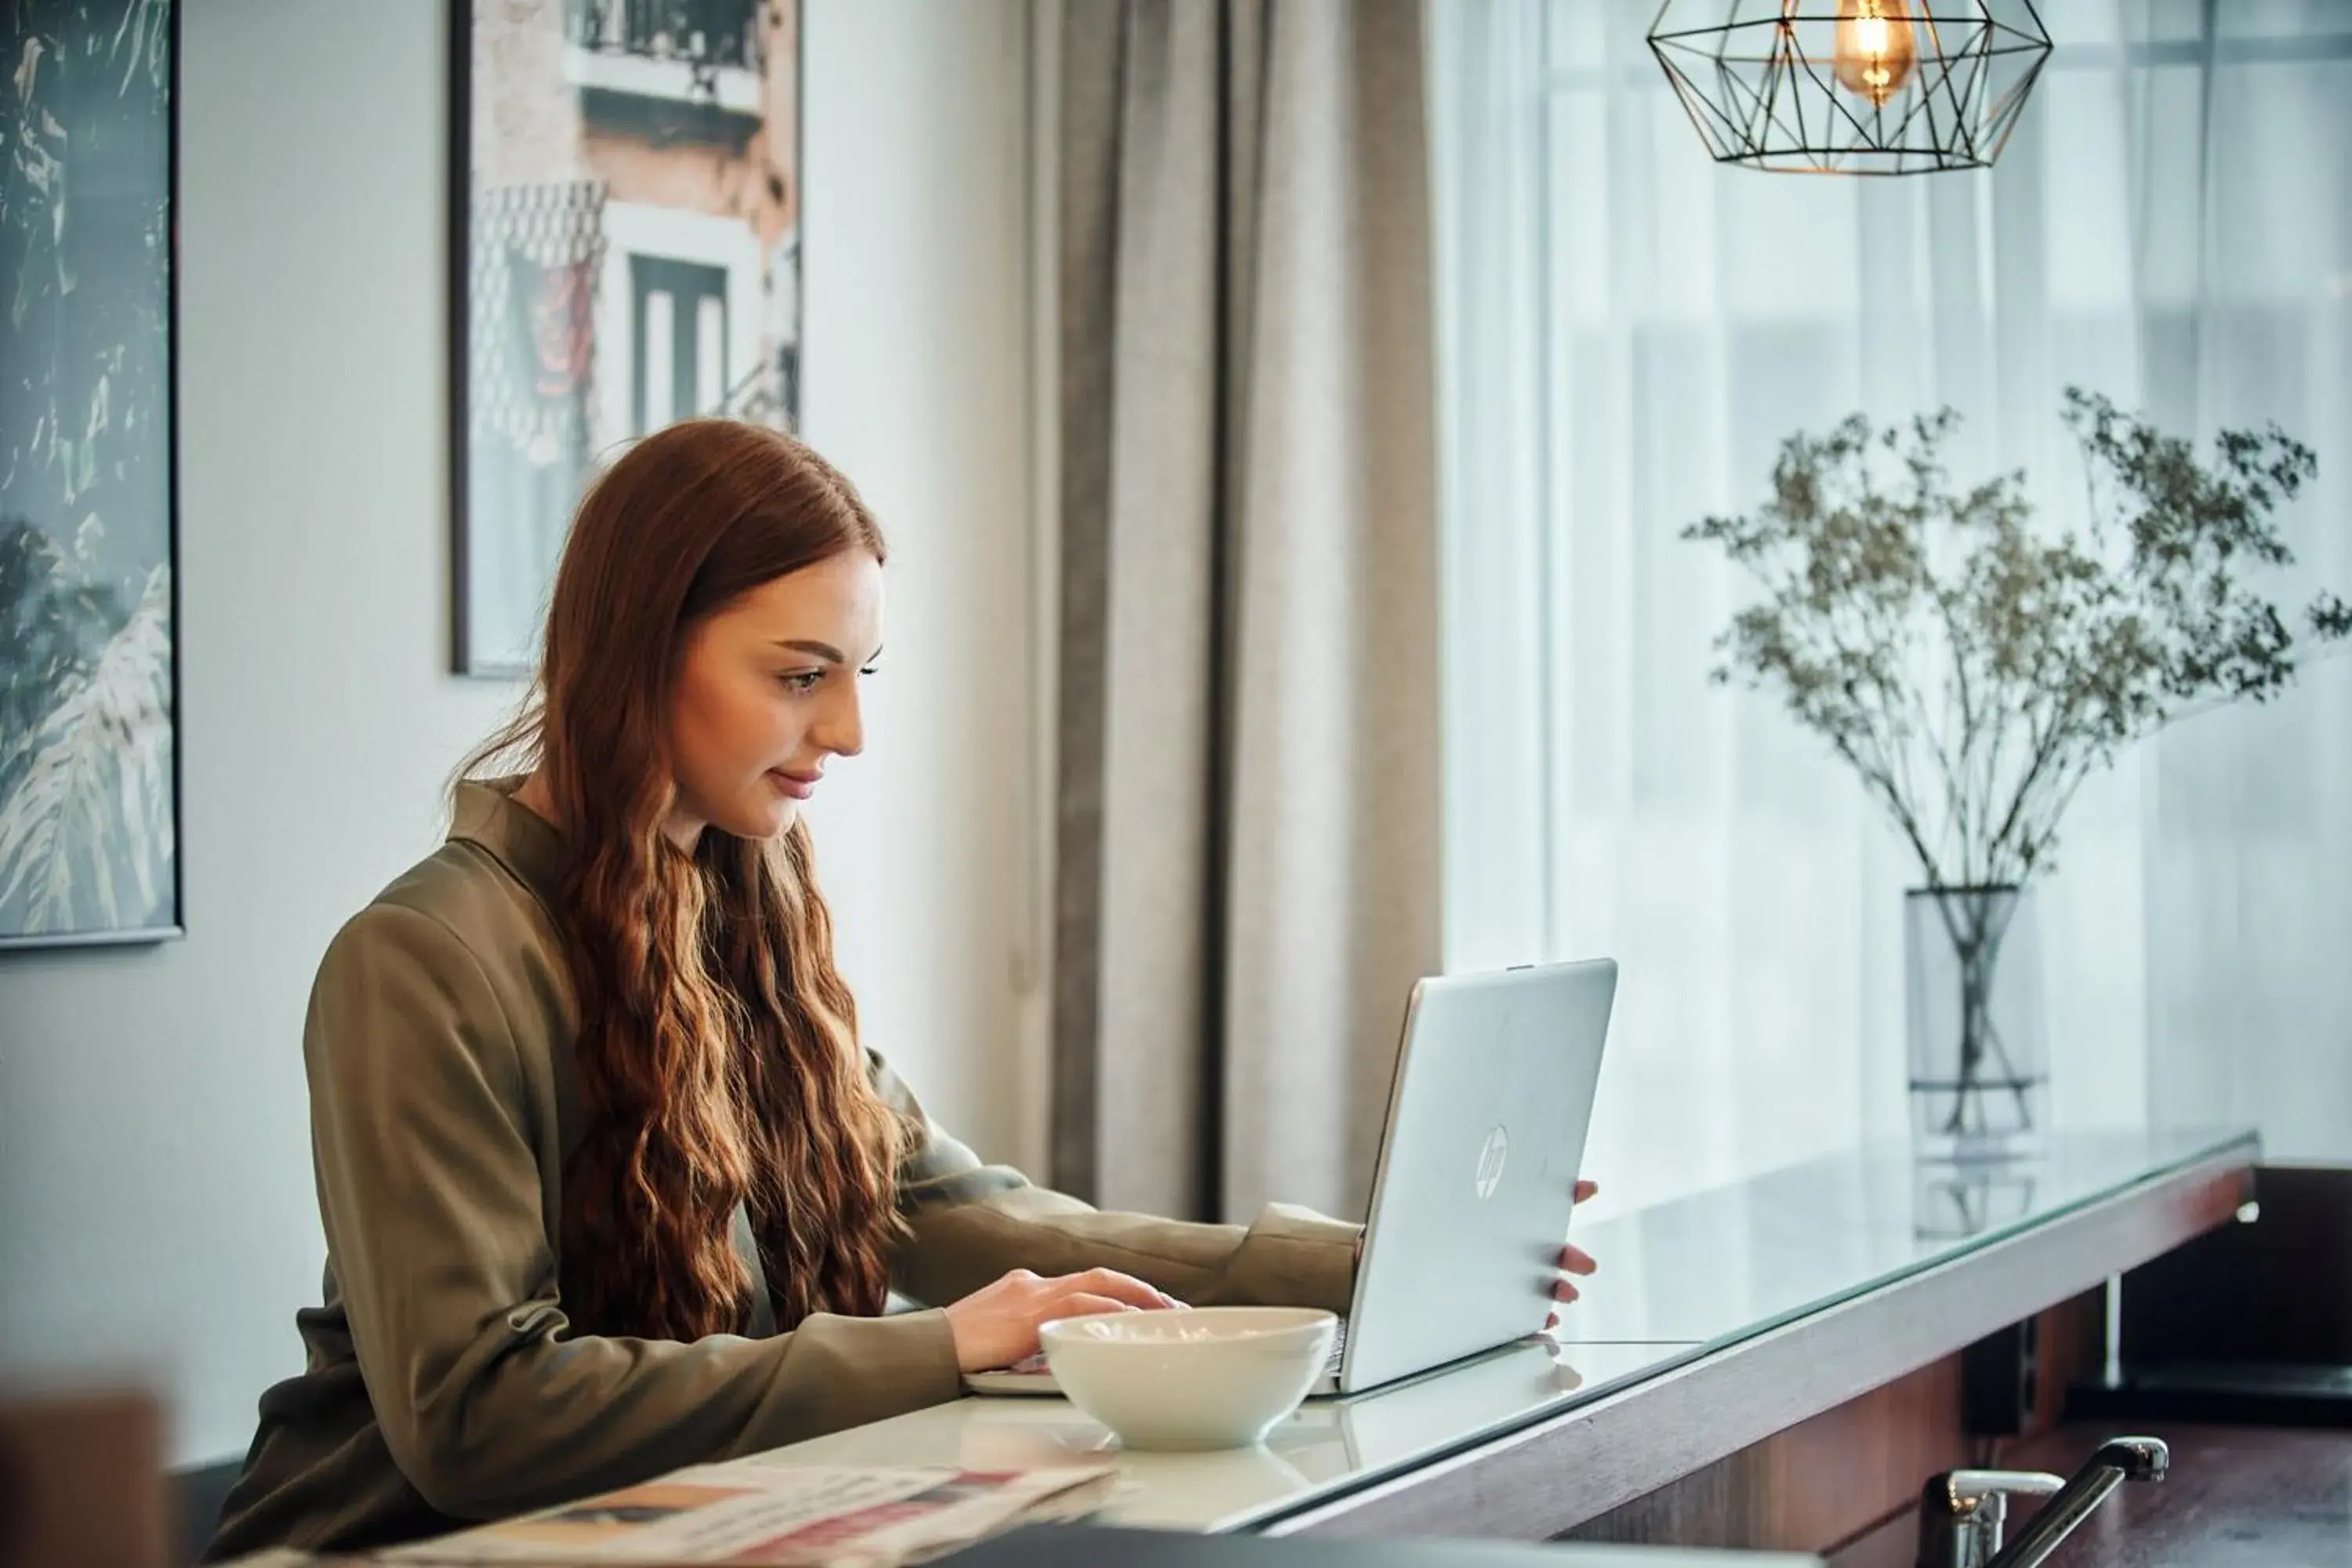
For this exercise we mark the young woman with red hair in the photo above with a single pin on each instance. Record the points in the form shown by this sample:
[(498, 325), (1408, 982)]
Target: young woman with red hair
[(609, 1184)]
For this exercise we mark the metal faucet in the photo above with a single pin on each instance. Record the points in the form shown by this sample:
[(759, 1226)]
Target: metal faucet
[(1961, 1512)]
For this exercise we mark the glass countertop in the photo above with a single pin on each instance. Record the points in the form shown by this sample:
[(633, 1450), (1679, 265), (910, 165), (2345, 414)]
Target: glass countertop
[(1677, 1281), (1735, 1261)]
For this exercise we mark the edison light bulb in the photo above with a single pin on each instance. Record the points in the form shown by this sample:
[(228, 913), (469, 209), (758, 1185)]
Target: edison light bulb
[(1875, 50)]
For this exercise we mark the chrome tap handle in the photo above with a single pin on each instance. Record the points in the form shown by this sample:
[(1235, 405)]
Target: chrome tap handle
[(2118, 1460), (1961, 1513)]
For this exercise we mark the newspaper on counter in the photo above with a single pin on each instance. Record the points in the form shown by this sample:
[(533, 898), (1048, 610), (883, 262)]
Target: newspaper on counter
[(800, 1516)]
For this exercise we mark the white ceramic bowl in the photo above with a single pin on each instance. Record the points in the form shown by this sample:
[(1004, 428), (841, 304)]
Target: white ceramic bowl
[(1194, 1379)]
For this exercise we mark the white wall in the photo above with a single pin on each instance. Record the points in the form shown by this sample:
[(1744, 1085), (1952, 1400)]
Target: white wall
[(917, 370), (156, 1210)]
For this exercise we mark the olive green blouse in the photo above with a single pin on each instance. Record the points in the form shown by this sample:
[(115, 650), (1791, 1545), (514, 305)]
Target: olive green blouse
[(444, 1385)]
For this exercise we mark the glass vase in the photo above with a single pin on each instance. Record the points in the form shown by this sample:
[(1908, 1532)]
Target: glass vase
[(1979, 1055)]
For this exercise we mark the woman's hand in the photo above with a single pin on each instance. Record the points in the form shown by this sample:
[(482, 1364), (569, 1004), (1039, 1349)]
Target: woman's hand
[(1572, 1260), (996, 1326)]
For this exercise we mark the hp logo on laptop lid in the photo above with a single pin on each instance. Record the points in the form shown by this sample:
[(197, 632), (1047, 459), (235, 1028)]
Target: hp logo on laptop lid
[(1497, 1150)]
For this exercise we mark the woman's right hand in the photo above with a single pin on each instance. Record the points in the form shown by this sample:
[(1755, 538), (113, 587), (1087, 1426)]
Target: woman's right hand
[(997, 1326)]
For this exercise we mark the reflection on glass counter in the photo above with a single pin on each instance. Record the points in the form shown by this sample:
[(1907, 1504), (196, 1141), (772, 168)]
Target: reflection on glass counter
[(1328, 1442), (1723, 1265)]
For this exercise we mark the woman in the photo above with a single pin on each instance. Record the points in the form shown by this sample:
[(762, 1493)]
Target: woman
[(609, 1186)]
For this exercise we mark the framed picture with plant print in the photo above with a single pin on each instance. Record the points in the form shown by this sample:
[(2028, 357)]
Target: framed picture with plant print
[(626, 222), (89, 609)]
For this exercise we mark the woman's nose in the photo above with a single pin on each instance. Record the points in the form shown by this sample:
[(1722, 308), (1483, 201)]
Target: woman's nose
[(843, 732)]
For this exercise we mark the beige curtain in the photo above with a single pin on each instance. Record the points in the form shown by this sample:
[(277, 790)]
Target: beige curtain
[(1247, 855)]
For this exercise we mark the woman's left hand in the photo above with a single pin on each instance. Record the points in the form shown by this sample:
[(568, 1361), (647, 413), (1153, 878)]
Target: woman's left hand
[(1573, 1260)]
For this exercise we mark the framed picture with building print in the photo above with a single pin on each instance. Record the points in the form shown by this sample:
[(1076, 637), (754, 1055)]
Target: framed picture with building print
[(626, 252)]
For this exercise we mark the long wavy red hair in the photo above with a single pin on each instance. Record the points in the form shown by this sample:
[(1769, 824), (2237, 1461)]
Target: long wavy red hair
[(717, 1051)]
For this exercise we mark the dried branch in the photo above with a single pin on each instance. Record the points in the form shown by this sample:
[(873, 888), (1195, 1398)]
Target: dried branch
[(2050, 655)]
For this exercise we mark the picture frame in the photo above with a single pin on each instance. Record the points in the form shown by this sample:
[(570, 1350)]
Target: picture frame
[(624, 251), (89, 584)]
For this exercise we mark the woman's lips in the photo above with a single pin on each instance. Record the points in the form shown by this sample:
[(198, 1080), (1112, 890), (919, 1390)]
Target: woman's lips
[(800, 786)]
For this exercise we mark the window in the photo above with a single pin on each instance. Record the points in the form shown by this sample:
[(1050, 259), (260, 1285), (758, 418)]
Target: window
[(1627, 331), (673, 69), (679, 312)]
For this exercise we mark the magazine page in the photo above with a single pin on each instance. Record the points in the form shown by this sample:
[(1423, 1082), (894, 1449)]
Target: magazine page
[(796, 1516)]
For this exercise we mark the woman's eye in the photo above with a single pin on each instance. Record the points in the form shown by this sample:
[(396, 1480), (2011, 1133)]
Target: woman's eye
[(802, 680)]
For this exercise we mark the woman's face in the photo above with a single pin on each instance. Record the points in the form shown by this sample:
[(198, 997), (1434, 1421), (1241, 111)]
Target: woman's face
[(767, 695)]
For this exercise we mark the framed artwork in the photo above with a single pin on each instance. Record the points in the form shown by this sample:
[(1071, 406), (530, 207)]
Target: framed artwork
[(88, 607), (627, 253)]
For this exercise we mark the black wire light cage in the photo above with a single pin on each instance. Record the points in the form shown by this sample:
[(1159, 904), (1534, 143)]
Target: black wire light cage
[(1852, 86)]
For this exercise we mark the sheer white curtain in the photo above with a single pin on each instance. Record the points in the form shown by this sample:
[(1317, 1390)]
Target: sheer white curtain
[(2246, 301), (1627, 333)]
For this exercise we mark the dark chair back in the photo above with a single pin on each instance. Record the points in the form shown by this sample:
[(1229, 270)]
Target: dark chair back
[(197, 1494)]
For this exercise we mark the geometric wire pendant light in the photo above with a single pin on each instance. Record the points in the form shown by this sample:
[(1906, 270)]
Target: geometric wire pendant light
[(1852, 86)]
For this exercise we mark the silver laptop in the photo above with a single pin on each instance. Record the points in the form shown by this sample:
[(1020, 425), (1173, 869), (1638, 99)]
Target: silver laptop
[(1471, 1198)]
